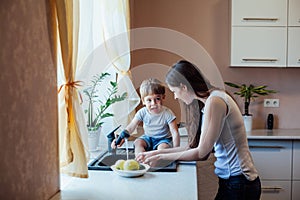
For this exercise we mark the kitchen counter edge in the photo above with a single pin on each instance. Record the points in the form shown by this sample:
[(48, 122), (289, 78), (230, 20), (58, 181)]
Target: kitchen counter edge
[(289, 134)]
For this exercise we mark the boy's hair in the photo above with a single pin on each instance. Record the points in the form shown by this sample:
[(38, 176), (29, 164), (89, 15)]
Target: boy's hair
[(151, 86)]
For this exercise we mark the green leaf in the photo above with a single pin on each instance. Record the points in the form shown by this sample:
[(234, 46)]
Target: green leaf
[(95, 115), (232, 85), (114, 84), (105, 115), (249, 92)]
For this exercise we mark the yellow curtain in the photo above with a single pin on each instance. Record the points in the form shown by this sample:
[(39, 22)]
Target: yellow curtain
[(73, 154), (79, 55)]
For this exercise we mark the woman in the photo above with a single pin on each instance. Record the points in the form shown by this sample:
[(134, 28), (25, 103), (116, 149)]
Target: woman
[(222, 129)]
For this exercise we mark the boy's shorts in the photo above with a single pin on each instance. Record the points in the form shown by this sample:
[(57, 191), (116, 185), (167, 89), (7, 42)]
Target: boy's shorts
[(152, 143)]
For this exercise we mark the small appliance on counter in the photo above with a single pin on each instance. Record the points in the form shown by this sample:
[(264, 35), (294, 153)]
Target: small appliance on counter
[(270, 121)]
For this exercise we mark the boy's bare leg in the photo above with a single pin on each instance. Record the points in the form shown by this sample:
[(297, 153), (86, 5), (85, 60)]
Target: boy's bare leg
[(139, 146), (163, 146)]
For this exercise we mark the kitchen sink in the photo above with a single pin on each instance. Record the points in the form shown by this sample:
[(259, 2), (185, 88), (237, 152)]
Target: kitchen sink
[(107, 159)]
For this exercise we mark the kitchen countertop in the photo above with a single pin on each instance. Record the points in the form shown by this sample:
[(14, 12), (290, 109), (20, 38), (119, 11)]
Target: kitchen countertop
[(293, 134), (152, 185)]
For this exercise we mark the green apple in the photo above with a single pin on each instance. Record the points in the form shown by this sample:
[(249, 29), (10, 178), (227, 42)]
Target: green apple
[(131, 165), (120, 164)]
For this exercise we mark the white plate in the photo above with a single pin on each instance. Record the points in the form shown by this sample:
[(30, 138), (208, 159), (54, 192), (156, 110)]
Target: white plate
[(134, 173)]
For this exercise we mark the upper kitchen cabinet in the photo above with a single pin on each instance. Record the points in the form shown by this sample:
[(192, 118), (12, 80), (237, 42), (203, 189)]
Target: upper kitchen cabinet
[(261, 34), (294, 34), (294, 13), (293, 47), (258, 46), (259, 12)]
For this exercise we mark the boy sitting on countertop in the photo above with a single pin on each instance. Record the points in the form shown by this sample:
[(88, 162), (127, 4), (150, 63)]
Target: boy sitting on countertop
[(159, 122)]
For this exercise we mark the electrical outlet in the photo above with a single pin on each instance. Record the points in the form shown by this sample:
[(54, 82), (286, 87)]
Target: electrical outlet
[(271, 102)]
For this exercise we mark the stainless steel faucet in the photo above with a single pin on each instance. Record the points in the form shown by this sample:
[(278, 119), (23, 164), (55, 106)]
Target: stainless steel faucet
[(111, 136)]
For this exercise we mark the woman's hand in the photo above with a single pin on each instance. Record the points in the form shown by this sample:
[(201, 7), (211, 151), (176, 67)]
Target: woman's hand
[(150, 157)]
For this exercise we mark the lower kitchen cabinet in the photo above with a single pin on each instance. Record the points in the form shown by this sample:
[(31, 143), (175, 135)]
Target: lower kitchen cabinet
[(296, 190), (296, 171), (272, 158), (278, 165), (296, 161), (276, 190)]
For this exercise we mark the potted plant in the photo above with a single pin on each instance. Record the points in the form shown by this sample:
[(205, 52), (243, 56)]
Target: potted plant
[(97, 109), (248, 93)]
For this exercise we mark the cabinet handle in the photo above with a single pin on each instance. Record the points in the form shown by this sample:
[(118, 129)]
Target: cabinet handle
[(264, 147), (259, 59), (271, 188), (259, 19)]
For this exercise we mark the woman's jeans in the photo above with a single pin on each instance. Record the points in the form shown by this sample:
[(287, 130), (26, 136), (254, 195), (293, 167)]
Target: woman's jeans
[(238, 188)]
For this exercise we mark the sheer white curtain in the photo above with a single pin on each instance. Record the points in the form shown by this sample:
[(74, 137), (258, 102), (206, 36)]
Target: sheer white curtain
[(94, 38), (116, 25), (105, 33)]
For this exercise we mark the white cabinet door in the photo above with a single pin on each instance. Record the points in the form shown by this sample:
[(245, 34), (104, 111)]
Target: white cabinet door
[(272, 158), (259, 12), (294, 46), (258, 46), (275, 190), (294, 13), (296, 190), (296, 161)]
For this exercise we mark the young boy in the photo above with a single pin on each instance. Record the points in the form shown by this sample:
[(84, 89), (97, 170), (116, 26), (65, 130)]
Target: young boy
[(160, 128)]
